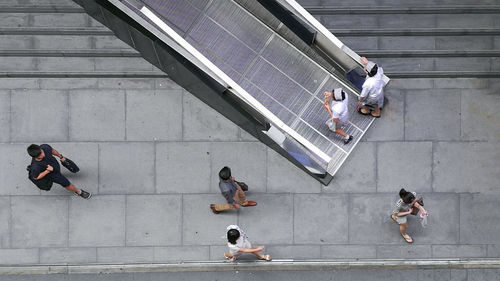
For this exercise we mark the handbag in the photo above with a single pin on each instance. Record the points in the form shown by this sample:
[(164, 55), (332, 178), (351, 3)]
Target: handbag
[(420, 201), (70, 165), (330, 124), (243, 185)]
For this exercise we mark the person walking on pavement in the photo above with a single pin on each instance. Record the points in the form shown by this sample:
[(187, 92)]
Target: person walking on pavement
[(45, 166), (405, 206), (232, 191), (336, 105), (371, 100), (238, 244)]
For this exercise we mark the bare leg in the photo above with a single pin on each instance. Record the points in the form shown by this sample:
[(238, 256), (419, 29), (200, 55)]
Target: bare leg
[(402, 229), (71, 187), (258, 254), (340, 132)]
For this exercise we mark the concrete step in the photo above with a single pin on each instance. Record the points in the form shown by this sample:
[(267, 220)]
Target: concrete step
[(401, 9), (443, 74), (409, 21), (82, 74), (458, 43), (67, 8), (58, 42), (70, 53), (428, 53), (417, 32), (81, 31)]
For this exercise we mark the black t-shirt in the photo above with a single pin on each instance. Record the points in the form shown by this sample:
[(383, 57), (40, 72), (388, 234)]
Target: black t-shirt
[(39, 166)]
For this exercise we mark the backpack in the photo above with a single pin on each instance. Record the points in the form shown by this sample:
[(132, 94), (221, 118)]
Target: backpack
[(44, 183)]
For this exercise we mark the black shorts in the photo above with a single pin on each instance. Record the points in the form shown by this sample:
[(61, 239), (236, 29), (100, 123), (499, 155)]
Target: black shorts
[(59, 179)]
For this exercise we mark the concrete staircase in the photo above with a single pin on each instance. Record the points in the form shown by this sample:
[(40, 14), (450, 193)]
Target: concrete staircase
[(56, 38), (429, 39)]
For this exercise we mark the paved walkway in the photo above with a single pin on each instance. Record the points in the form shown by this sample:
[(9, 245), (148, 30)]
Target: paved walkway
[(150, 153)]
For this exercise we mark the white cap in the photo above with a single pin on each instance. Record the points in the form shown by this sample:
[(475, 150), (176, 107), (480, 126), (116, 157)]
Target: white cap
[(370, 65), (337, 94)]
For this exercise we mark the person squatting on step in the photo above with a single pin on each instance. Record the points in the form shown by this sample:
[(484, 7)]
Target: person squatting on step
[(238, 243), (336, 105), (232, 191), (371, 100), (407, 204), (44, 167)]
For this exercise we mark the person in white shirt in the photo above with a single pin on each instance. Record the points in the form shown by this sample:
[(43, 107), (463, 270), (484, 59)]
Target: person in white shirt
[(371, 100), (336, 105), (238, 243)]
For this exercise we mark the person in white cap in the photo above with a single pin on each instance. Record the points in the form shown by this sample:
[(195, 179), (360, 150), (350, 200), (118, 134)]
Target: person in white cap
[(371, 100), (336, 105)]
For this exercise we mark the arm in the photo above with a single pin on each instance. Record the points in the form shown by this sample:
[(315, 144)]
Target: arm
[(418, 206), (327, 107), (258, 249), (44, 173), (56, 153), (400, 214)]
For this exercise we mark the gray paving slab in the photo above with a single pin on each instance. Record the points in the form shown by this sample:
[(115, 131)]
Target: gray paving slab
[(124, 64), (108, 42), (125, 254), (457, 64), (39, 115), (181, 253), (320, 219), (358, 173), (183, 167), (466, 167), (493, 251), (4, 116), (67, 42), (202, 227), (434, 274), (348, 252), (460, 83), (422, 108), (402, 43), (479, 117), (458, 275), (464, 251), (217, 251), (402, 21), (282, 176), (403, 251), (14, 42), (409, 84), (483, 274), (19, 83), (136, 176), (45, 226), (91, 107), (390, 127), (300, 252), (5, 222), (68, 83), (404, 164), (19, 256), (59, 20), (154, 115), (464, 43), (247, 160), (277, 228), (153, 220), (18, 64), (438, 230), (85, 155), (200, 122), (479, 223), (369, 222), (127, 83), (65, 64), (348, 21), (15, 182), (97, 222), (68, 255)]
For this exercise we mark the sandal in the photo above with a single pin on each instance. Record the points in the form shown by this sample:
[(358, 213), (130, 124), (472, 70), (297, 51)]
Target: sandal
[(376, 116), (267, 258), (408, 239)]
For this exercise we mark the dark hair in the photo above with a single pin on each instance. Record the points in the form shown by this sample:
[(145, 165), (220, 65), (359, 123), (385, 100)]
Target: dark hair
[(402, 193), (34, 150), (225, 173), (233, 235), (408, 198), (373, 71)]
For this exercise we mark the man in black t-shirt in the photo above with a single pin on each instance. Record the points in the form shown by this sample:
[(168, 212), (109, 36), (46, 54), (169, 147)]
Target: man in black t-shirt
[(45, 165)]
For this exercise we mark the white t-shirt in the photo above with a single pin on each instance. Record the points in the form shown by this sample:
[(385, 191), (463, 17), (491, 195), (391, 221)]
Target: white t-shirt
[(340, 110), (373, 89), (241, 242)]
